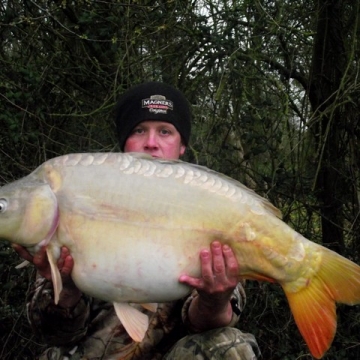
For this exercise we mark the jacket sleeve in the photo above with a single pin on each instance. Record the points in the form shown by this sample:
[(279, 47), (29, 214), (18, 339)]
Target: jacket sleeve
[(238, 301), (53, 324)]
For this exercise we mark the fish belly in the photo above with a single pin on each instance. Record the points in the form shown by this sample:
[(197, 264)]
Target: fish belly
[(124, 262)]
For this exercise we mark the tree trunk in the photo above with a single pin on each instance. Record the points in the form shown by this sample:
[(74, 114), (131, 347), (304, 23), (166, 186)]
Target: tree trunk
[(329, 61)]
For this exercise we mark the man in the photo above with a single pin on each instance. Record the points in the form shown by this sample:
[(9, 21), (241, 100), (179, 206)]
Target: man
[(152, 118)]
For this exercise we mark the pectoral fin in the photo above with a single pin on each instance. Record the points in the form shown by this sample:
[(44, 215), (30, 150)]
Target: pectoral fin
[(55, 275), (134, 321)]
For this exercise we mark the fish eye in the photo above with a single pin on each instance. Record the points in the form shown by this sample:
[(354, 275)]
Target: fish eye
[(3, 205)]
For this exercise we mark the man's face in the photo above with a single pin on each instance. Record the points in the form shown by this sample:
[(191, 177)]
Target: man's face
[(156, 138)]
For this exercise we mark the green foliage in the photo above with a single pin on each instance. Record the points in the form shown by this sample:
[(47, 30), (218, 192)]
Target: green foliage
[(15, 332), (268, 110)]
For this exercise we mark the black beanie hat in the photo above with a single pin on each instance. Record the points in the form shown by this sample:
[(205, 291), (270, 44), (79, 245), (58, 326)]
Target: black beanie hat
[(152, 101)]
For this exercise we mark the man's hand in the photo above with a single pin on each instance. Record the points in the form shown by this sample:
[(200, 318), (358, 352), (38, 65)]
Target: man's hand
[(219, 277), (219, 270), (70, 294)]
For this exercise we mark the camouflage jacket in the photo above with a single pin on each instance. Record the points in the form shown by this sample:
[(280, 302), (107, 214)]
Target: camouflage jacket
[(91, 330)]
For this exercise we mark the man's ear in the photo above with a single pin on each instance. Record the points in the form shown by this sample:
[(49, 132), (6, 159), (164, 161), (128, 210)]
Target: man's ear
[(182, 149)]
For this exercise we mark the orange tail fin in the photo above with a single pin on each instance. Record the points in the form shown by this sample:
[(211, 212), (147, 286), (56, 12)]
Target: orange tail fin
[(313, 307)]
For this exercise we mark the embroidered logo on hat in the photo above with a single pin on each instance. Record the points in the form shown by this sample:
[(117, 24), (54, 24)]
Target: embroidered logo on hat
[(157, 104)]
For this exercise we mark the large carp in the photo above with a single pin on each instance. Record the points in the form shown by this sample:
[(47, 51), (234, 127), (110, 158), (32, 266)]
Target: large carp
[(134, 224)]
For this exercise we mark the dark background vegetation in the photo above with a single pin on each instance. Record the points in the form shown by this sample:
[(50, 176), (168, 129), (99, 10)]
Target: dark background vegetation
[(275, 97)]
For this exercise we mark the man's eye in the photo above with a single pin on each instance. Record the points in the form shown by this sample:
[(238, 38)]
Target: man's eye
[(138, 131), (165, 132)]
